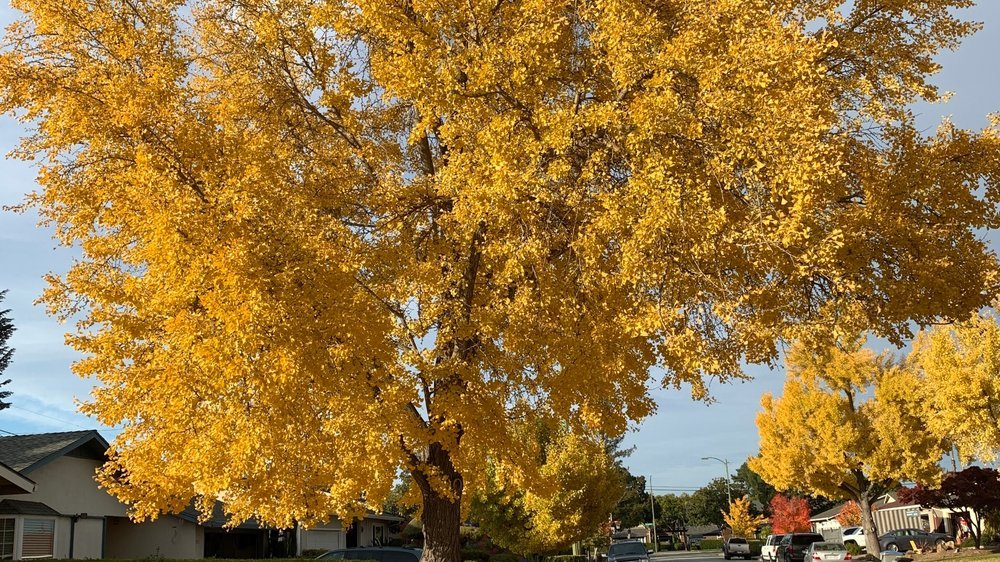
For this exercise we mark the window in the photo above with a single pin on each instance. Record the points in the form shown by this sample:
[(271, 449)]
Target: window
[(38, 538), (6, 539)]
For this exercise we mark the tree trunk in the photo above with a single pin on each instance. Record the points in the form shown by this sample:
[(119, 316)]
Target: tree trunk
[(442, 515), (868, 524)]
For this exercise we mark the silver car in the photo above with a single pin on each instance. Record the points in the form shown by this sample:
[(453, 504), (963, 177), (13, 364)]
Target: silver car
[(826, 551)]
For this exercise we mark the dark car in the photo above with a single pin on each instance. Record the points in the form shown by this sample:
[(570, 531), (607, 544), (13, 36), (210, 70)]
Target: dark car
[(900, 539), (378, 553), (793, 547), (628, 552)]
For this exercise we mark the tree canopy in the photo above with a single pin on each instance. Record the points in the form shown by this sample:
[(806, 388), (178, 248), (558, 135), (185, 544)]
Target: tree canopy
[(958, 365), (578, 485), (740, 519), (835, 430), (789, 514), (397, 229)]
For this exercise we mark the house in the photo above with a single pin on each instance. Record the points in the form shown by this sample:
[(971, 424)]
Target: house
[(826, 524), (51, 507), (639, 533), (64, 514), (373, 529)]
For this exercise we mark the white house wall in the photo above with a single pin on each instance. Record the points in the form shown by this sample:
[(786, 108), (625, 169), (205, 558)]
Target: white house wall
[(168, 537), (67, 485), (88, 538)]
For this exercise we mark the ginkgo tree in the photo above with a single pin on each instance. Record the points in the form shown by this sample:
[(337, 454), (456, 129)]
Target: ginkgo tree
[(325, 240), (834, 431), (740, 520), (959, 366), (578, 484)]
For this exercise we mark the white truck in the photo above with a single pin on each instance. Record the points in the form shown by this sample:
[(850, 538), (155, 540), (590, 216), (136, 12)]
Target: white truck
[(854, 535), (736, 547), (769, 550)]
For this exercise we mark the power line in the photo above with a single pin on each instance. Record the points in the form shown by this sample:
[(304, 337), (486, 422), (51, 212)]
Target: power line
[(48, 417)]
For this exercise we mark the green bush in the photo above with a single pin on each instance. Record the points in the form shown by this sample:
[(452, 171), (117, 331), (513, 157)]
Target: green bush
[(313, 552), (475, 554), (711, 544), (755, 547), (505, 557), (853, 548)]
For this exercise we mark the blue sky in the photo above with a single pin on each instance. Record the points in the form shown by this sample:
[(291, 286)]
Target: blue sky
[(669, 446)]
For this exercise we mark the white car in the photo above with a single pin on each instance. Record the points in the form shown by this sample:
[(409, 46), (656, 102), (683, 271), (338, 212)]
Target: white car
[(854, 535), (827, 552)]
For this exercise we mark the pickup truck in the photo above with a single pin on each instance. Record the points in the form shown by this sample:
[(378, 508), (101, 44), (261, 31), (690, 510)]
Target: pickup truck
[(736, 547), (769, 550), (854, 535)]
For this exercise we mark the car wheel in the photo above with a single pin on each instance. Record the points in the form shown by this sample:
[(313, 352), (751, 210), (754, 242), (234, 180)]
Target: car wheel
[(892, 546), (727, 556)]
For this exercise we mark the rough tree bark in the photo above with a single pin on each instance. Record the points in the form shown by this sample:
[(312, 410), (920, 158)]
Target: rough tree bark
[(442, 514)]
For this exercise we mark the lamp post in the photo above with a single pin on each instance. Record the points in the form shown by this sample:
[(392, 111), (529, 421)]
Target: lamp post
[(729, 493)]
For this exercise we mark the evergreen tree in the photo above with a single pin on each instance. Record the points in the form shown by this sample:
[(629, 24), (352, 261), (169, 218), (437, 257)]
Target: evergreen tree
[(6, 353)]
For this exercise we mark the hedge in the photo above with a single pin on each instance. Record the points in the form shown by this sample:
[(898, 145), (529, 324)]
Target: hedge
[(475, 554), (711, 544)]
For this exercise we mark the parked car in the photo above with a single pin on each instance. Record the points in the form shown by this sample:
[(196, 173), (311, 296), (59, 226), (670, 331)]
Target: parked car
[(827, 552), (769, 550), (792, 548), (900, 539), (632, 551), (736, 547), (379, 553), (854, 535)]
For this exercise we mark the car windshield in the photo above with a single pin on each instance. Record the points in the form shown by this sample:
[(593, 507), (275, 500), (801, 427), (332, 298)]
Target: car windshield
[(851, 530), (828, 546), (627, 548), (737, 540)]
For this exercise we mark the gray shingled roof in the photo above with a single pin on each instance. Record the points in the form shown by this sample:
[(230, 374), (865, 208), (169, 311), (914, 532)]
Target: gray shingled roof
[(21, 507), (828, 514), (25, 453)]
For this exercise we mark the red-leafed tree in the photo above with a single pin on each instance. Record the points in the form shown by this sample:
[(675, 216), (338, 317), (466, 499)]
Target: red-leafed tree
[(975, 489), (789, 515), (850, 515)]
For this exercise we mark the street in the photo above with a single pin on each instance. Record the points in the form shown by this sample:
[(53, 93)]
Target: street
[(692, 556)]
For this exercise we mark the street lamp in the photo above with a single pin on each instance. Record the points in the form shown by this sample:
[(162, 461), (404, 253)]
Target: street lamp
[(729, 493)]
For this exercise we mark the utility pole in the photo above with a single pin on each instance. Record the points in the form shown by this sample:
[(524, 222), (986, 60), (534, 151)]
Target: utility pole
[(652, 510)]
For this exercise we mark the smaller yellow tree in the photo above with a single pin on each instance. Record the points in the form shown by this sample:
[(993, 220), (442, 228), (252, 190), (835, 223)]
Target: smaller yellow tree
[(564, 501), (836, 430), (958, 366), (740, 520)]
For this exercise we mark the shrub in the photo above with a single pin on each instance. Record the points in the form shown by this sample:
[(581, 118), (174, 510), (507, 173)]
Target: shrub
[(755, 547), (313, 552), (853, 548), (505, 557), (711, 544), (475, 554)]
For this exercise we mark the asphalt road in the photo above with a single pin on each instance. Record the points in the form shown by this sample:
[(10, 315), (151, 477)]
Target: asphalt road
[(693, 556)]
